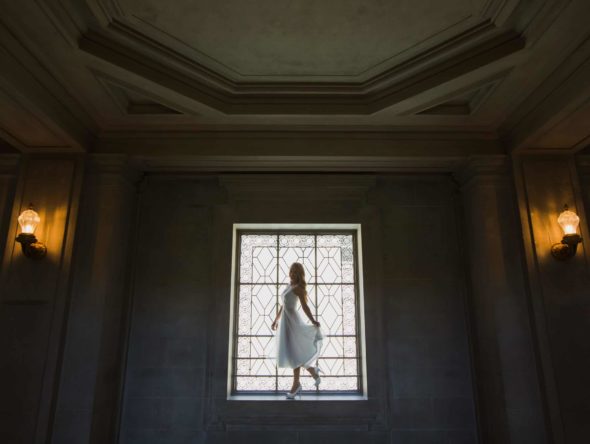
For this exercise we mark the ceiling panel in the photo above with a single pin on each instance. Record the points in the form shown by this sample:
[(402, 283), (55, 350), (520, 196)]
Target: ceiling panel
[(306, 38)]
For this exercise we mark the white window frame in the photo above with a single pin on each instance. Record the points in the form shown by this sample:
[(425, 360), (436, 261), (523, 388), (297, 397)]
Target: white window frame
[(363, 393)]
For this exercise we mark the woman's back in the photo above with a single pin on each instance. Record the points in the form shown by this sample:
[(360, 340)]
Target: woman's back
[(299, 344)]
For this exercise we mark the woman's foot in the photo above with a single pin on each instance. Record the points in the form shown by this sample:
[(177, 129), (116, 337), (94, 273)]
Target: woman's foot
[(315, 374), (294, 392)]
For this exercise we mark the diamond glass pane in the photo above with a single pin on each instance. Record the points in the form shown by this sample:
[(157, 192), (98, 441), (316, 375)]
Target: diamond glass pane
[(329, 262), (258, 258)]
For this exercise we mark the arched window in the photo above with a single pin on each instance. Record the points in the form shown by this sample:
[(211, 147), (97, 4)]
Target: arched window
[(261, 272)]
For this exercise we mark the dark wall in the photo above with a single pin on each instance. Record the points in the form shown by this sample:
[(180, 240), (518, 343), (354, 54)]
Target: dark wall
[(419, 373), (34, 297), (8, 172), (466, 340), (560, 295)]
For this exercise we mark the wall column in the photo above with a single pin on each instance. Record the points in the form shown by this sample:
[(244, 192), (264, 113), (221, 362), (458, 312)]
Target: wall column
[(510, 409), (34, 297), (559, 290), (88, 398)]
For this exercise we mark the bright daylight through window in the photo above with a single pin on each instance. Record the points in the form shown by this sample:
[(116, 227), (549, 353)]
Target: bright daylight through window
[(262, 273)]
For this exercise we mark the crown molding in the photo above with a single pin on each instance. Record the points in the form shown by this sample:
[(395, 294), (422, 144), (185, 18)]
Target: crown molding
[(110, 14), (316, 164), (124, 48), (560, 95), (482, 90), (113, 166), (295, 143), (34, 88), (495, 168)]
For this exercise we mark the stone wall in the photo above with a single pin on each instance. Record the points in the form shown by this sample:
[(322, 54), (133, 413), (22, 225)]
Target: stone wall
[(474, 333), (560, 296), (34, 297), (419, 374)]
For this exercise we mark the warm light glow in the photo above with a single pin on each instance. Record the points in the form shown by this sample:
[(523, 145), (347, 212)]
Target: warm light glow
[(569, 221), (28, 221)]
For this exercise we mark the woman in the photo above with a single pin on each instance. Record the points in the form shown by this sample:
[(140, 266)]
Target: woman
[(298, 344)]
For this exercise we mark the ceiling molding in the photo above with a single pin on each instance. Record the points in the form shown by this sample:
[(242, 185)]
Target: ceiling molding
[(494, 9), (132, 101), (444, 78), (466, 101), (478, 168), (296, 164), (557, 99), (479, 47), (12, 141), (112, 15), (292, 143), (34, 88)]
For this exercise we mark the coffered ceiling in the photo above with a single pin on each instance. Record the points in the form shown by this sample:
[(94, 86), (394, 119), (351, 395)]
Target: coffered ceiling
[(419, 77)]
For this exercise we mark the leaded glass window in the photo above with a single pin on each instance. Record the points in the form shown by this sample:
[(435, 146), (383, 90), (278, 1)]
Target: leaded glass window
[(262, 273)]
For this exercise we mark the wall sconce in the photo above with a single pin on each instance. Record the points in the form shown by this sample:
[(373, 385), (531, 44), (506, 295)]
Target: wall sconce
[(28, 221), (569, 221)]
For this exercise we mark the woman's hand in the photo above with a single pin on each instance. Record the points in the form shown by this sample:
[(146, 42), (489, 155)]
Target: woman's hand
[(316, 323), (274, 325)]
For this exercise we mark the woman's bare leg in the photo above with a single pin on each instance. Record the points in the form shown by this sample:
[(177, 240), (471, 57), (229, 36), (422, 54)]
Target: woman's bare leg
[(312, 372), (296, 373)]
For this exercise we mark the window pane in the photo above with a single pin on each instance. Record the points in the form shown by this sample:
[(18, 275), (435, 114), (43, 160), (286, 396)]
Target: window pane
[(330, 308), (297, 248), (333, 347), (332, 367), (255, 367), (335, 258), (263, 309), (258, 258), (265, 259), (250, 383), (348, 310), (340, 384)]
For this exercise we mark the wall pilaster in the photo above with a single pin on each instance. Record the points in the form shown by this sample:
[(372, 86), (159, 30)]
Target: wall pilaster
[(504, 361), (559, 290), (88, 397), (34, 296)]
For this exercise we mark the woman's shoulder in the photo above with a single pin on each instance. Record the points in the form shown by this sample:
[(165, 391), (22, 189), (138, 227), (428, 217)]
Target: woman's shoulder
[(298, 290)]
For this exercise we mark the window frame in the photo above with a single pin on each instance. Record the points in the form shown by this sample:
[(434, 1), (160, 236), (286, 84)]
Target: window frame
[(311, 229)]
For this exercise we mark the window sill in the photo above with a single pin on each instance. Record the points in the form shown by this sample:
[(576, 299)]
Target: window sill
[(304, 397)]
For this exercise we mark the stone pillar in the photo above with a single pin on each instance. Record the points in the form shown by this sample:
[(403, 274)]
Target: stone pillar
[(88, 397), (34, 295), (560, 293), (8, 172), (509, 401)]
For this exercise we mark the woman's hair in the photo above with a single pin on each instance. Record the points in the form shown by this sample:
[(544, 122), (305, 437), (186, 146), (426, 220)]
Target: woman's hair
[(299, 271)]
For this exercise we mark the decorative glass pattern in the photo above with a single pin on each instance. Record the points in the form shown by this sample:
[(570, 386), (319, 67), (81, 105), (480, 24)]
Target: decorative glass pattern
[(330, 269)]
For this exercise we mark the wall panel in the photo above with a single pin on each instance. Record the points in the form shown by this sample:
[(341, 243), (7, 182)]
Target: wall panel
[(34, 296)]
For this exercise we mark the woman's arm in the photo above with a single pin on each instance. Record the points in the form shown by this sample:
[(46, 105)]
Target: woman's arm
[(275, 323), (301, 295)]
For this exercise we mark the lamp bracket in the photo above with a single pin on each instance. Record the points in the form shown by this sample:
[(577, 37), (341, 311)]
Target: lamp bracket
[(31, 247), (566, 249)]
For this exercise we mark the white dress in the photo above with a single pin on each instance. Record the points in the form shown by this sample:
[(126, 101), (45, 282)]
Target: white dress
[(297, 344)]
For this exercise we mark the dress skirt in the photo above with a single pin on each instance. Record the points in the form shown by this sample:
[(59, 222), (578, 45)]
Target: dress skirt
[(296, 344)]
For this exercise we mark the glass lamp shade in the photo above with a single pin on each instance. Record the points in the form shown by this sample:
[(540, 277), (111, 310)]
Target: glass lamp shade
[(569, 222), (28, 221)]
